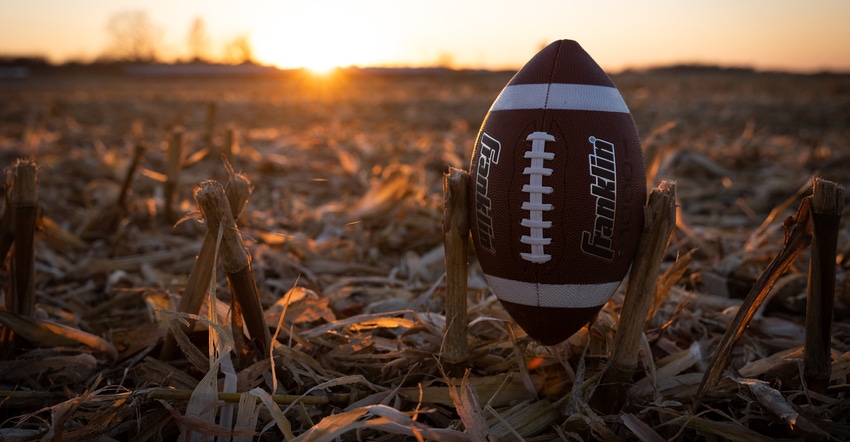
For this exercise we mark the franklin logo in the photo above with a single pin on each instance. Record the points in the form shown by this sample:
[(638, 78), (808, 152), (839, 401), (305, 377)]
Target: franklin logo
[(604, 173), (488, 155)]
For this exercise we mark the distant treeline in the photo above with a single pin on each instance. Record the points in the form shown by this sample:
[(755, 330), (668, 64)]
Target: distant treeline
[(16, 66), (20, 67), (684, 68), (24, 67), (701, 68)]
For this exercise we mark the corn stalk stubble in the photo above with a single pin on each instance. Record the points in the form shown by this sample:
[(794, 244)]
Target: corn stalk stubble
[(456, 242), (238, 190), (659, 221), (235, 262), (25, 200), (827, 206), (172, 174), (798, 236)]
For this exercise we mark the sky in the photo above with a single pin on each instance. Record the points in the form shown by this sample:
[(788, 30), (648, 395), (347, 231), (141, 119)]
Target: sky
[(494, 34)]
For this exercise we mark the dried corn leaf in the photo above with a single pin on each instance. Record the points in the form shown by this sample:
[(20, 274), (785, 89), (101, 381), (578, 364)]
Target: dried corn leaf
[(418, 431), (61, 368), (158, 372), (773, 400), (194, 428), (58, 236), (469, 409), (729, 430), (671, 367), (384, 194), (376, 320), (50, 334), (840, 367), (225, 419), (223, 331), (640, 429), (94, 266), (198, 359), (19, 434), (252, 376), (345, 380), (679, 387), (278, 418), (666, 282), (299, 362), (203, 403), (763, 365), (331, 427), (523, 420), (246, 418), (496, 391), (305, 307), (378, 417)]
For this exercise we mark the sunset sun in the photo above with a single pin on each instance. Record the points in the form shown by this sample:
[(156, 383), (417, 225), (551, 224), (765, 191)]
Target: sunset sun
[(319, 37)]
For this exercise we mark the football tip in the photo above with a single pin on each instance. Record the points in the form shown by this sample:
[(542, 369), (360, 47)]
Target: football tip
[(548, 325)]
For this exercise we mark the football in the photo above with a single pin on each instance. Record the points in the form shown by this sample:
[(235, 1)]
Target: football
[(557, 190)]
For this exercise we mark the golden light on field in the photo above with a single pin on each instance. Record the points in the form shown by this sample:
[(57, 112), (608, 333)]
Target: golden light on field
[(320, 37)]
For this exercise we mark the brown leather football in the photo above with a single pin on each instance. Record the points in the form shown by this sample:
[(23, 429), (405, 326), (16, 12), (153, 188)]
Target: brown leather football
[(557, 190)]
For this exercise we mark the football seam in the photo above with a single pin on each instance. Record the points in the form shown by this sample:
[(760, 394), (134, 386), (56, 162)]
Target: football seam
[(551, 77)]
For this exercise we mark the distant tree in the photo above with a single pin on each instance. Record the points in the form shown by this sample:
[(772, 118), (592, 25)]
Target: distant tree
[(198, 41), (445, 60), (133, 37), (239, 50)]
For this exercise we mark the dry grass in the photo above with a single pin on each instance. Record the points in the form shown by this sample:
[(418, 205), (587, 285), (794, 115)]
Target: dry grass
[(343, 230)]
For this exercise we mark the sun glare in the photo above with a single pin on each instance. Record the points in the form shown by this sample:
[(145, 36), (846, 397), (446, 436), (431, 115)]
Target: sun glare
[(319, 37)]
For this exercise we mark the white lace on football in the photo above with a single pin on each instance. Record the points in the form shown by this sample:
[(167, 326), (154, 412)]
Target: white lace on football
[(535, 190)]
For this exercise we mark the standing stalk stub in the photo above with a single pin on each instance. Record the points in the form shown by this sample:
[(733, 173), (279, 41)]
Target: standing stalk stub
[(827, 205), (25, 201), (798, 236), (216, 209), (659, 221), (456, 242), (238, 190)]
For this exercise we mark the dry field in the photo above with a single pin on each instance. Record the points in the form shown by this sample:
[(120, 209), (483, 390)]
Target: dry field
[(343, 229)]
